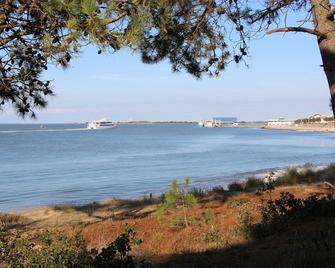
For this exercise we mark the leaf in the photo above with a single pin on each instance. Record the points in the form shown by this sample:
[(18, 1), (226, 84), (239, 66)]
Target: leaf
[(89, 7), (72, 23)]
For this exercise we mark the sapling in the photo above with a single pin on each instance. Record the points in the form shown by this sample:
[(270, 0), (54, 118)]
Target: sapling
[(178, 195)]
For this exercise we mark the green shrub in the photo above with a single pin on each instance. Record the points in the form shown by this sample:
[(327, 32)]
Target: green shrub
[(245, 221), (159, 236), (53, 249), (214, 236), (207, 216), (290, 177), (178, 222), (118, 253), (178, 195), (286, 211), (236, 203), (11, 220), (198, 192), (45, 250), (218, 190), (253, 183)]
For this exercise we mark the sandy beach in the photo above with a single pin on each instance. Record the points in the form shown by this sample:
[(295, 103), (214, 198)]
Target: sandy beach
[(316, 127)]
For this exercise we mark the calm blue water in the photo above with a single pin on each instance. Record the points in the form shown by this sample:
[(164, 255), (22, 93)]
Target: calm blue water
[(69, 164)]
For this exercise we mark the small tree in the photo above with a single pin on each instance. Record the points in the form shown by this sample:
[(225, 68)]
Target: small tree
[(178, 196)]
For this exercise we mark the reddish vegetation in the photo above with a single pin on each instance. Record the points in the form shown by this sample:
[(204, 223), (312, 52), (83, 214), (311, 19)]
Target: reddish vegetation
[(225, 227), (161, 240)]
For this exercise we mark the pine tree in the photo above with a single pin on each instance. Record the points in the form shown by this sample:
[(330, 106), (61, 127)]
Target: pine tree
[(178, 196)]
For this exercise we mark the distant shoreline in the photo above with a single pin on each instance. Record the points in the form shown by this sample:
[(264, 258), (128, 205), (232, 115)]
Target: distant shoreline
[(312, 127), (328, 127)]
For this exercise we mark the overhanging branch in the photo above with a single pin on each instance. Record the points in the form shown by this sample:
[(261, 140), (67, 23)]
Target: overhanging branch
[(297, 29)]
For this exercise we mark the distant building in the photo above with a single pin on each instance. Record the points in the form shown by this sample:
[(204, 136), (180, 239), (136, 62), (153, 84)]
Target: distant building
[(279, 122), (228, 120), (318, 116), (219, 122)]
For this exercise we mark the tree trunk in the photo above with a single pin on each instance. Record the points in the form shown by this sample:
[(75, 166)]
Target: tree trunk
[(324, 23)]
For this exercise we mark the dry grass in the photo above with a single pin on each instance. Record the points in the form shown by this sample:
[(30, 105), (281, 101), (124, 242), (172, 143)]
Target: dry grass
[(67, 215), (11, 220)]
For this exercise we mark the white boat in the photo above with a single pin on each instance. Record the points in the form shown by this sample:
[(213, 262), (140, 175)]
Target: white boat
[(101, 124), (206, 123), (201, 123)]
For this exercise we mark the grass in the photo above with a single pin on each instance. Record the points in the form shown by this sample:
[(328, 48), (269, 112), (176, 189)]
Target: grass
[(292, 176), (236, 203), (12, 220), (306, 176)]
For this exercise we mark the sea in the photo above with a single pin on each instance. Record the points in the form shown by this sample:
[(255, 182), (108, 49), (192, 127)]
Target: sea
[(68, 164)]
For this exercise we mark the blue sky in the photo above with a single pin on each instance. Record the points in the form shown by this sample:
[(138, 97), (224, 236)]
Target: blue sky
[(284, 79)]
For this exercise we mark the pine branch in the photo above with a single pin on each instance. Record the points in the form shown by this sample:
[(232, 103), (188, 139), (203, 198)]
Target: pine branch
[(297, 29), (329, 185), (120, 16)]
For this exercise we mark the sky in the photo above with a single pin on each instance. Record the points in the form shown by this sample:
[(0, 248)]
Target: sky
[(283, 79)]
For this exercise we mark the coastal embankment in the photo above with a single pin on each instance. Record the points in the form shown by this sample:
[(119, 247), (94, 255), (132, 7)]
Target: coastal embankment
[(312, 127)]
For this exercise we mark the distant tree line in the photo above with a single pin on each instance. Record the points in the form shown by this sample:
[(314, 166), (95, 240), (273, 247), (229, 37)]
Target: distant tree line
[(314, 120)]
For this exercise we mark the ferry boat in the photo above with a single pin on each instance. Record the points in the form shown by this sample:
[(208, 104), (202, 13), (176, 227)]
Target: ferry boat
[(101, 124)]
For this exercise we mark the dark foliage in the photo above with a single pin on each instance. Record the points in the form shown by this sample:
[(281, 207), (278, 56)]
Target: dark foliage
[(53, 249), (196, 36), (236, 187), (35, 33), (117, 253), (292, 176), (287, 211), (23, 25)]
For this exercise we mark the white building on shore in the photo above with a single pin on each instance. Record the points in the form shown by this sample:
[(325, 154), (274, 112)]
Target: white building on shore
[(219, 122), (279, 122)]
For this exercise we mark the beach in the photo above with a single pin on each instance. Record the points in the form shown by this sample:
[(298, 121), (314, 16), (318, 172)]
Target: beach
[(313, 127)]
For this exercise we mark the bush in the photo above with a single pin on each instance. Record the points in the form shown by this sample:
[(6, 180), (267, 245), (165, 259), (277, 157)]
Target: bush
[(53, 249), (236, 203), (47, 250), (214, 236), (235, 187), (198, 192), (11, 220), (207, 216), (218, 190), (253, 183), (286, 211), (290, 177), (117, 253), (245, 221)]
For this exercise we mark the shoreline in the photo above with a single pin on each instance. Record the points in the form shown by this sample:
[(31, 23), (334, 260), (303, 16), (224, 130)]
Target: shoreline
[(328, 127), (313, 127), (262, 175)]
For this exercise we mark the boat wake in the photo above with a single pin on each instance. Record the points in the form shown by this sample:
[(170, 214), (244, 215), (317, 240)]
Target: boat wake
[(42, 130)]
